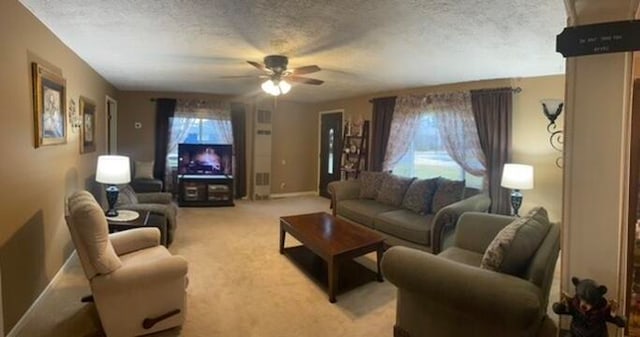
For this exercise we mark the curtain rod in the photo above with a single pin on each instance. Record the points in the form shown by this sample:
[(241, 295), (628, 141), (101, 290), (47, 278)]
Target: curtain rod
[(516, 90)]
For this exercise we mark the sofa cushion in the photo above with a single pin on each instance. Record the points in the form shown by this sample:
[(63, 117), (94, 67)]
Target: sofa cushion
[(370, 183), (516, 243), (448, 192), (392, 189), (419, 195), (406, 225), (126, 196), (362, 211), (463, 256)]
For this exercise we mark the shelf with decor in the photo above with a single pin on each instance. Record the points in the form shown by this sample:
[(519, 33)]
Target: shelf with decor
[(355, 150)]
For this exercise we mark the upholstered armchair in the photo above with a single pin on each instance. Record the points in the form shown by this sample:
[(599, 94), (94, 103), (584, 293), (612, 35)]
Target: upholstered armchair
[(138, 287), (156, 202), (450, 294)]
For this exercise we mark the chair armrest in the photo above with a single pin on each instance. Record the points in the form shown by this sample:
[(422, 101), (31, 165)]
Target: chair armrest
[(146, 274), (448, 216), (134, 239), (490, 295), (154, 198), (475, 231), (343, 190)]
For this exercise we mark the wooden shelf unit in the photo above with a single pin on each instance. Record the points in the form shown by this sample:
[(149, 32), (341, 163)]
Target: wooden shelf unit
[(355, 151), (205, 190)]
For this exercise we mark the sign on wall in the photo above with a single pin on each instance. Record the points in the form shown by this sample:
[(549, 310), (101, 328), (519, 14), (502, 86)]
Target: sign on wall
[(599, 38)]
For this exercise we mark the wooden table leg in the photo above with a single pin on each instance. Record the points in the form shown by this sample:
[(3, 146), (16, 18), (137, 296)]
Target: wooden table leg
[(379, 252), (282, 233), (333, 279)]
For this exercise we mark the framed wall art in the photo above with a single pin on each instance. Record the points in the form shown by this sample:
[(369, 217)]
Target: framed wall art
[(49, 105), (88, 128)]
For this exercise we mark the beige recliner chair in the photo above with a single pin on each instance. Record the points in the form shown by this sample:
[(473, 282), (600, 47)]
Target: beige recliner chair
[(138, 286)]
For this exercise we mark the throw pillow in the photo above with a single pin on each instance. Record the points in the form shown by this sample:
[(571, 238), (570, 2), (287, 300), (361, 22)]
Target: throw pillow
[(144, 169), (448, 192), (515, 244), (392, 189), (126, 196), (370, 184), (420, 195)]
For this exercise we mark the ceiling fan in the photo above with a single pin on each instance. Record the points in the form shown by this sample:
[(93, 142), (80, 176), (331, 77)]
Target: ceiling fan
[(275, 67)]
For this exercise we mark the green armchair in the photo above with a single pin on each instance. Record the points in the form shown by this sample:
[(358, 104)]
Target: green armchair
[(448, 294)]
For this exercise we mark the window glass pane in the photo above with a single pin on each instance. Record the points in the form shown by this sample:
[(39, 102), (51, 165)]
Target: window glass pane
[(330, 146), (427, 157)]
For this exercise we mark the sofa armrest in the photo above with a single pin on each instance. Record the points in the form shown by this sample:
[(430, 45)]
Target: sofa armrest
[(343, 190), (448, 216), (134, 239), (144, 274), (490, 296), (475, 231), (154, 198)]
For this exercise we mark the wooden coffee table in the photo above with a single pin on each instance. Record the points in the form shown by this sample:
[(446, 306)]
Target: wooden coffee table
[(332, 239)]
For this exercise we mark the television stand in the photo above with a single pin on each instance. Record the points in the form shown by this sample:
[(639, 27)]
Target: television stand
[(205, 190)]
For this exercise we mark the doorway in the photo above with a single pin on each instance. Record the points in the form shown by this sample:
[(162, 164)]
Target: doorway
[(112, 125), (330, 149)]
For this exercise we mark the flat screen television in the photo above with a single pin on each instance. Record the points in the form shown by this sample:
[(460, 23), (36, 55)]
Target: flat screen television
[(205, 159)]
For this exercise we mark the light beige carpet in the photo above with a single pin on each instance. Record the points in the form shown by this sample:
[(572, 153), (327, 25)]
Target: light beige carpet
[(239, 284)]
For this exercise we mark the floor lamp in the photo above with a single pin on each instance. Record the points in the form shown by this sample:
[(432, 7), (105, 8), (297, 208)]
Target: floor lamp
[(517, 177)]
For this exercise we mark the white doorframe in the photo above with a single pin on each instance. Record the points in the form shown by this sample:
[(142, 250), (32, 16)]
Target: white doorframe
[(341, 111), (111, 134)]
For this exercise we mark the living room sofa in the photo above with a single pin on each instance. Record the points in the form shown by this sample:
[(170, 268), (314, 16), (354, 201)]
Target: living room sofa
[(418, 213), (461, 292)]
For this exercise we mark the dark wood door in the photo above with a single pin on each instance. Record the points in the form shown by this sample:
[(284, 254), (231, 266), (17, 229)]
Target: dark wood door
[(330, 147)]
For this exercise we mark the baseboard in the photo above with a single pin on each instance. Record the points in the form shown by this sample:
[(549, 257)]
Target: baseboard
[(22, 321), (293, 194)]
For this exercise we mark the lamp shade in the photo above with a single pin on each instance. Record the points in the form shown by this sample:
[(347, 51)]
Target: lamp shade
[(517, 176), (113, 170)]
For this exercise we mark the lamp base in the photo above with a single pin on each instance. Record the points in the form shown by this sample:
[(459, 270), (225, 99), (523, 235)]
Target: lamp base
[(112, 198), (516, 201)]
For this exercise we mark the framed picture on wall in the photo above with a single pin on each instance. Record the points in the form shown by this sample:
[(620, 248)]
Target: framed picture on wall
[(88, 128), (49, 105)]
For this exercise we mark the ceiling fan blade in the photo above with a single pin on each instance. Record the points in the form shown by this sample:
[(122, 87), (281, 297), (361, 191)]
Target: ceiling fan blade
[(305, 70), (241, 76), (304, 80), (257, 65)]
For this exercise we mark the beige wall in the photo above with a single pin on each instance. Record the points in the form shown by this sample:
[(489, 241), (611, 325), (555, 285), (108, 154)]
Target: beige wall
[(34, 239), (530, 137)]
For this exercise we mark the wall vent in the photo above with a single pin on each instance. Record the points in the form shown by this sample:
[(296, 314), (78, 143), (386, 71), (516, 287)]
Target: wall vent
[(262, 179), (262, 154), (264, 116)]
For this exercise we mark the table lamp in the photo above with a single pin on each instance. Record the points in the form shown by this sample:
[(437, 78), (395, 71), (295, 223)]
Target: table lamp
[(113, 170), (517, 177)]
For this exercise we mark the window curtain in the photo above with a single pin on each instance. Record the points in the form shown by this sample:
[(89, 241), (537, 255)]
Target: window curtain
[(165, 109), (458, 130), (492, 109), (238, 124), (187, 113), (406, 114), (382, 116)]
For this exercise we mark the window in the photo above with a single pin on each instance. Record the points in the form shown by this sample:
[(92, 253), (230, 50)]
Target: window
[(427, 157)]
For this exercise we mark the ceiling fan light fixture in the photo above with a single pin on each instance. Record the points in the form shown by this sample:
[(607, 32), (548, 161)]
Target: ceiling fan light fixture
[(276, 88)]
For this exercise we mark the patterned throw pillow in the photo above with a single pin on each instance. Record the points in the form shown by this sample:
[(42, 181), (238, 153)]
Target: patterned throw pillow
[(370, 184), (516, 243), (393, 188), (448, 192), (420, 195)]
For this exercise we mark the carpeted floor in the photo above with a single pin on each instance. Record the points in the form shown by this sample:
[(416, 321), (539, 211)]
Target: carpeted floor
[(239, 284)]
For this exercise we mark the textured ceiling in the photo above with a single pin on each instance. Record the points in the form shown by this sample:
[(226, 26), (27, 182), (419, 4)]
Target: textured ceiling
[(363, 46)]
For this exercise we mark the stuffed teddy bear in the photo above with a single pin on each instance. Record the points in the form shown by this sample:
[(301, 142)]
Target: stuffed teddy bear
[(589, 310)]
